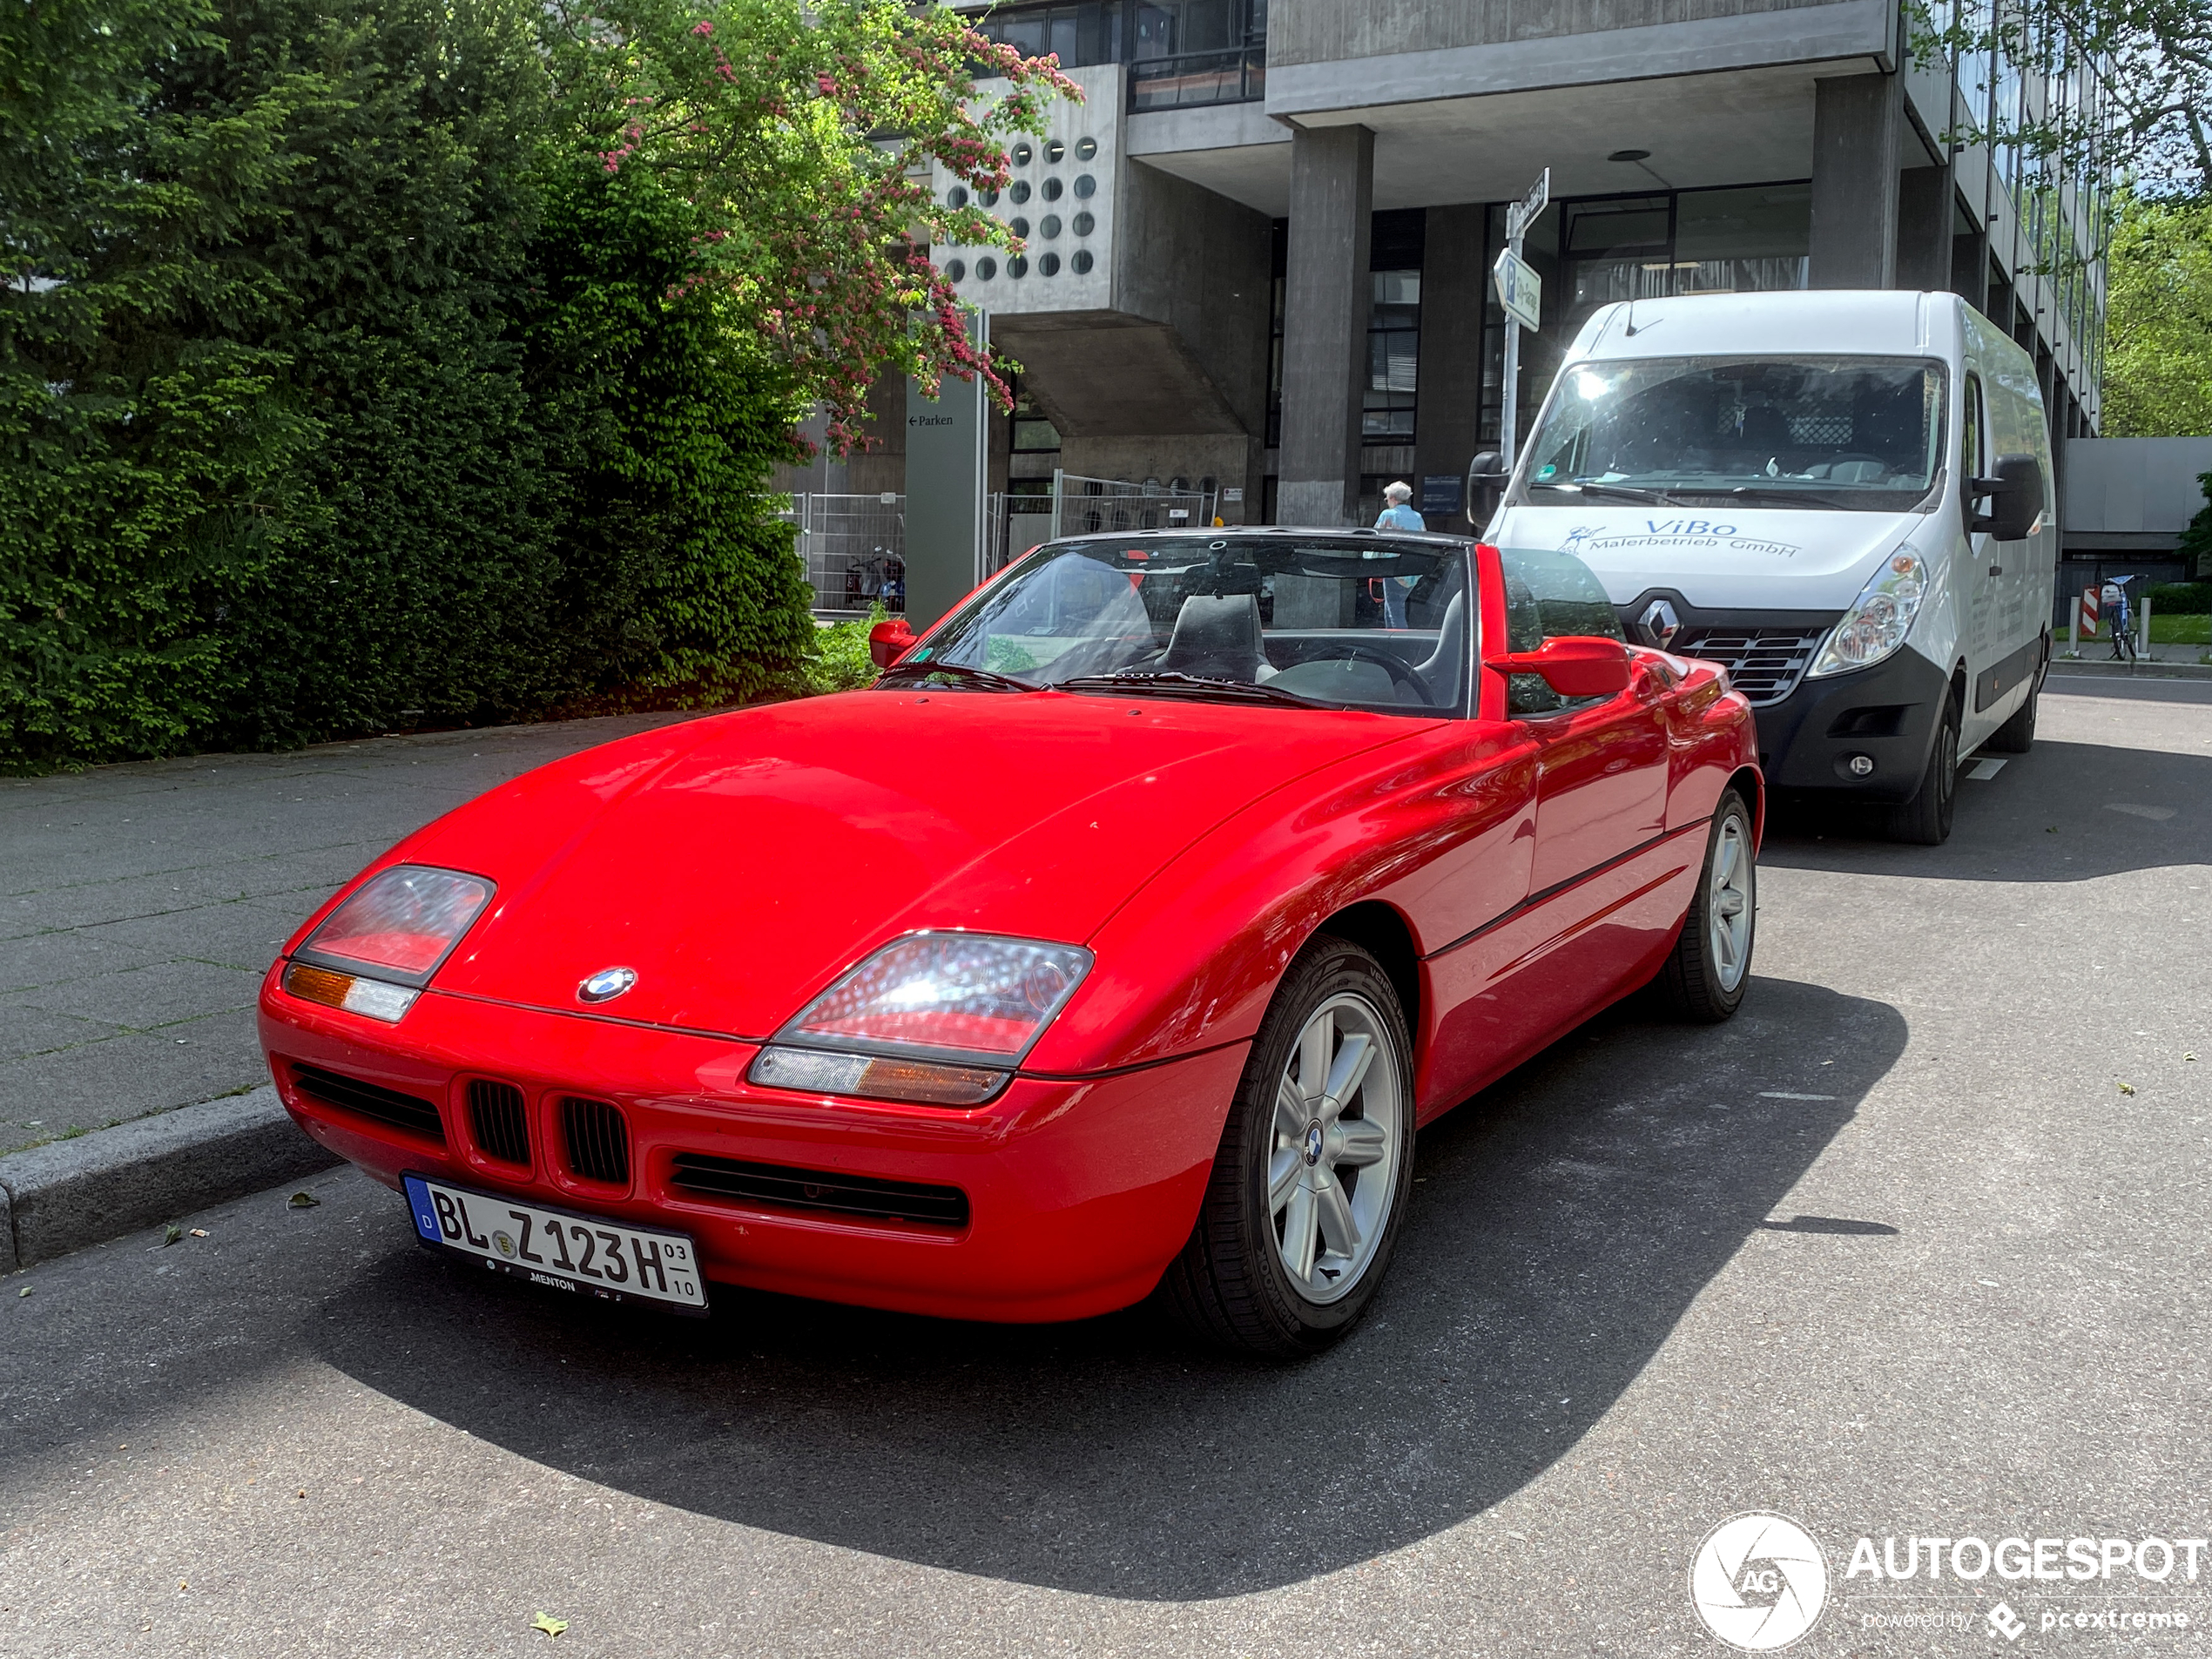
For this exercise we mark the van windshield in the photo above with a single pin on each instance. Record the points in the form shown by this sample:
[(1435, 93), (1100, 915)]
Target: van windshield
[(1858, 432)]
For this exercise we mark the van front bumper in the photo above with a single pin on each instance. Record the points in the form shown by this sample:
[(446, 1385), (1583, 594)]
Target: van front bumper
[(1887, 714)]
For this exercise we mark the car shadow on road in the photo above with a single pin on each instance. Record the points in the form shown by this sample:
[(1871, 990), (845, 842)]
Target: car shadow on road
[(2063, 812), (1563, 1222)]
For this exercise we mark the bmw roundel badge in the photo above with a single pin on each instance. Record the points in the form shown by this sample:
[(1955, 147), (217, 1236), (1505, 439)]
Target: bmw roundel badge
[(606, 985)]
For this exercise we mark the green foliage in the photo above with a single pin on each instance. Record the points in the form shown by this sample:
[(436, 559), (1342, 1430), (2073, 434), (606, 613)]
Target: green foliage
[(839, 659), (2181, 598), (2196, 546), (2158, 371), (367, 360)]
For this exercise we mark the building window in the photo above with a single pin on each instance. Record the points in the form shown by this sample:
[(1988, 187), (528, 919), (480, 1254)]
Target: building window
[(1032, 433), (1087, 32)]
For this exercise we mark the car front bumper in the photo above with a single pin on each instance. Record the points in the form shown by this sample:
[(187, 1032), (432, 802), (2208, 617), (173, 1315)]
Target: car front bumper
[(1078, 1193), (1887, 713)]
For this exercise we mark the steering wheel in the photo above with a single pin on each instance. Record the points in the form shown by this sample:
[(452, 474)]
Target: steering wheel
[(1399, 673), (1834, 462)]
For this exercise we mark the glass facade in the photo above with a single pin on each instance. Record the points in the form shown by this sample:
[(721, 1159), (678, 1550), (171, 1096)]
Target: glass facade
[(1181, 53)]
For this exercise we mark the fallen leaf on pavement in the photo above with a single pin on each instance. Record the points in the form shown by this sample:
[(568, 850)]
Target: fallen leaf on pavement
[(303, 1201), (2127, 1089), (24, 1291), (171, 1234), (547, 1622)]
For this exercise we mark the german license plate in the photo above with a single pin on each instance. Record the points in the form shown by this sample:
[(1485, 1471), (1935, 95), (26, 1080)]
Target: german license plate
[(560, 1249)]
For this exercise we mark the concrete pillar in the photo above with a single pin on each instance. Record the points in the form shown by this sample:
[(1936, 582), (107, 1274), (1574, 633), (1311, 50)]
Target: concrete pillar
[(1925, 212), (1856, 124), (1325, 306), (1452, 283)]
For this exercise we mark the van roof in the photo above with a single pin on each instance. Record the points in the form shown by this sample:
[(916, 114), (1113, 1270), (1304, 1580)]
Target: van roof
[(1841, 322)]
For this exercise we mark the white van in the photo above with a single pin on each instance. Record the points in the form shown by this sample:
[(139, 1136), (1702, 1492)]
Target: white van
[(1838, 496)]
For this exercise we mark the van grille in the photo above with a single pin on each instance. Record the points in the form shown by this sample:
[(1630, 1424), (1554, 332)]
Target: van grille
[(410, 1112), (598, 1140), (1765, 665), (777, 1187), (496, 1116)]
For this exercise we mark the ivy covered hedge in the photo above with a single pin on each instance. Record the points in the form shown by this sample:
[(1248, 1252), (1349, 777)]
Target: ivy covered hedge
[(336, 389)]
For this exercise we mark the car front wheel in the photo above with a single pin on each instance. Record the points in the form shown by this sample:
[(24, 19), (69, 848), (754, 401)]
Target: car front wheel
[(1705, 976), (1314, 1167)]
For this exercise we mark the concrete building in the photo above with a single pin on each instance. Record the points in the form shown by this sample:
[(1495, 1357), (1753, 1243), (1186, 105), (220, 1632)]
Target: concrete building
[(1257, 254)]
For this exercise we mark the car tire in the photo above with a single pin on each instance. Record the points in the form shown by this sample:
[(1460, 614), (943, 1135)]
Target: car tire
[(1705, 976), (2017, 735), (1926, 819), (1268, 1202)]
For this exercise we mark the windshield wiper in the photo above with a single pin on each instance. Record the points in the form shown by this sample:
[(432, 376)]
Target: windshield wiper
[(1198, 687), (983, 678), (1624, 492), (1772, 492)]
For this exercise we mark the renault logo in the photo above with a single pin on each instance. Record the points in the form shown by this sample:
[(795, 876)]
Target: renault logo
[(1659, 624), (606, 985)]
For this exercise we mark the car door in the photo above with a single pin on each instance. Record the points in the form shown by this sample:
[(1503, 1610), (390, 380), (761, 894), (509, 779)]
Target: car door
[(1593, 895)]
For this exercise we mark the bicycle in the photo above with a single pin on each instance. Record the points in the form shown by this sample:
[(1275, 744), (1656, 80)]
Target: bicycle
[(2124, 636)]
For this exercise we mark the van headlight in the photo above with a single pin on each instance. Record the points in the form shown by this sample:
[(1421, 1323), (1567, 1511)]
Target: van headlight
[(1878, 621)]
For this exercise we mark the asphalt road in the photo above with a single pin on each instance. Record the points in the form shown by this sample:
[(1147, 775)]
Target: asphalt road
[(1895, 1254)]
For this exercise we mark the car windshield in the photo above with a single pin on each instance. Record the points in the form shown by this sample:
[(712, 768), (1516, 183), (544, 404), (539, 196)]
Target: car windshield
[(1352, 621), (1857, 433)]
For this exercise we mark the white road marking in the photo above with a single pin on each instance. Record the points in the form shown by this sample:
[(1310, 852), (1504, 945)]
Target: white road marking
[(2156, 814), (1782, 1093), (1984, 770)]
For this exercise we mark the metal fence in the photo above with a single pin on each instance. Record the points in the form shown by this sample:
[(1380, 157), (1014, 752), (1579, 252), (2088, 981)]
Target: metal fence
[(1082, 505), (855, 549)]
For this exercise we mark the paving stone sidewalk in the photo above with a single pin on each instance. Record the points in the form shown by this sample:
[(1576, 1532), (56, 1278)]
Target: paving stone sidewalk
[(140, 904)]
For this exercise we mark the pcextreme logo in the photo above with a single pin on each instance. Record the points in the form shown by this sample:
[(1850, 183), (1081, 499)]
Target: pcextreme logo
[(1758, 1581)]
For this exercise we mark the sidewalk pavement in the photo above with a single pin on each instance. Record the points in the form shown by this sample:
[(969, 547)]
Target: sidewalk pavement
[(140, 904)]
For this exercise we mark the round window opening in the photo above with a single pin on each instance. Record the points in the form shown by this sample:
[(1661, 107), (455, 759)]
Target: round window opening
[(1086, 148), (1019, 226), (985, 268), (1049, 265), (1054, 150), (990, 199), (1048, 226), (1017, 267), (1020, 191), (1052, 188), (1080, 261), (1085, 223), (956, 197), (956, 270), (1086, 186), (1022, 153)]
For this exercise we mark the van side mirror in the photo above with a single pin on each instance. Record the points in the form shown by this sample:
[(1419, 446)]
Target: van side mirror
[(2014, 489), (889, 641), (1573, 664), (1486, 487)]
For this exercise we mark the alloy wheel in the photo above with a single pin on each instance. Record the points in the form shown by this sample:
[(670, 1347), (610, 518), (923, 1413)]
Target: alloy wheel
[(1340, 1123), (1729, 902)]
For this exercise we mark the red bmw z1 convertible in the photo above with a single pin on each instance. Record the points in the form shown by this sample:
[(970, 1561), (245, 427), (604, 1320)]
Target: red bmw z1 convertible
[(1117, 939)]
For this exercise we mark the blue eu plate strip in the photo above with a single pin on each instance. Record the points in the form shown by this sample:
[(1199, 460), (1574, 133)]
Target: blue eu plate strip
[(418, 1201)]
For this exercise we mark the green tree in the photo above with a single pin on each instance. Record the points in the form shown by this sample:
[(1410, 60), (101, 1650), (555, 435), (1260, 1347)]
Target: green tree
[(2158, 323)]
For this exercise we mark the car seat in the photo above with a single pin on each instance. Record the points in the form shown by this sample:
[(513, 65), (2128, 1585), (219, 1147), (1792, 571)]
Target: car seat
[(1216, 637)]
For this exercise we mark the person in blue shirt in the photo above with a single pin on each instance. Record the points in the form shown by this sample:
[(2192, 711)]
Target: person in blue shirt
[(1398, 514)]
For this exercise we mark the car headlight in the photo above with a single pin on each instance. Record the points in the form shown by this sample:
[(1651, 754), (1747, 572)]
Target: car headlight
[(375, 952), (938, 1017), (1878, 622)]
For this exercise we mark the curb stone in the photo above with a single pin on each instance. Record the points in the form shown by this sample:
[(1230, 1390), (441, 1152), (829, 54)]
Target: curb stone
[(68, 1194)]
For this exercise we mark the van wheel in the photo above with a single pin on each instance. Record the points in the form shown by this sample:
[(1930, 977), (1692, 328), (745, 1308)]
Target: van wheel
[(1705, 975), (1926, 819), (2017, 735), (1314, 1169)]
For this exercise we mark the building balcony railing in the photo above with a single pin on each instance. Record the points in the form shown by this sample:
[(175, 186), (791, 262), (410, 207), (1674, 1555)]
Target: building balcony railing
[(1191, 80)]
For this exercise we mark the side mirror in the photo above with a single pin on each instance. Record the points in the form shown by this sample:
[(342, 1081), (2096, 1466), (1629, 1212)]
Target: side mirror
[(1574, 665), (2015, 492), (1486, 487), (889, 641)]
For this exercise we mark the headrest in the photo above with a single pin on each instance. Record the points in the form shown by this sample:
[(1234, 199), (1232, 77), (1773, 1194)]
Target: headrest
[(1216, 637)]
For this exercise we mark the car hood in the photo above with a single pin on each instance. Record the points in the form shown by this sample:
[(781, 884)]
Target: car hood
[(740, 862), (1724, 559)]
